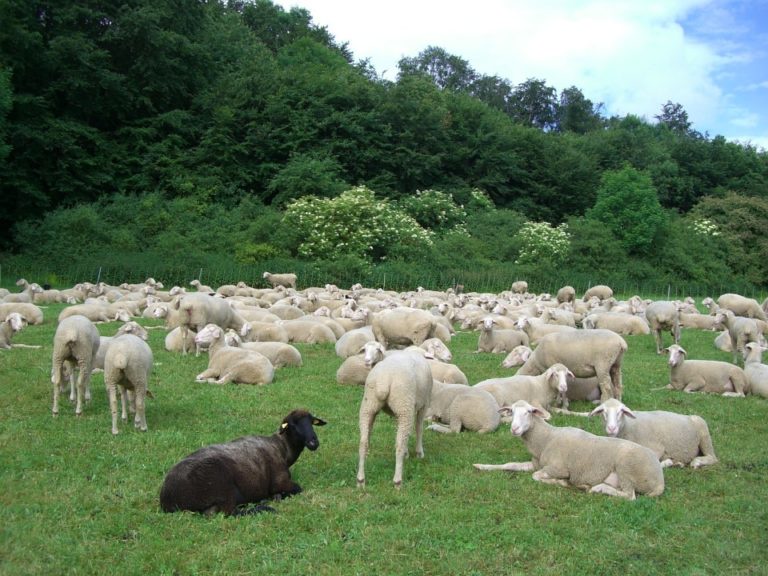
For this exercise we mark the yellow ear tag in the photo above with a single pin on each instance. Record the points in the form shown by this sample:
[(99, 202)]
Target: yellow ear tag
[(284, 425)]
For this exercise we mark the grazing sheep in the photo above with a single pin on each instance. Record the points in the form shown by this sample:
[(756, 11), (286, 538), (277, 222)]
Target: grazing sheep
[(403, 326), (462, 407), (704, 375), (586, 353), (31, 312), (742, 306), (741, 330), (600, 291), (105, 341), (573, 457), (566, 294), (401, 385), (497, 341), (229, 363), (663, 315), (676, 439), (285, 280), (619, 322), (227, 477), (541, 390), (9, 327), (278, 353), (75, 343), (755, 371), (127, 365)]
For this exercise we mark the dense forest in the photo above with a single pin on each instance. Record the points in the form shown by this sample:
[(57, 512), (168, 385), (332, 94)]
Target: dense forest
[(198, 131)]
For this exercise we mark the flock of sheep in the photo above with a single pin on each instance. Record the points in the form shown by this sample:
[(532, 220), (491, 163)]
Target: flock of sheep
[(396, 345)]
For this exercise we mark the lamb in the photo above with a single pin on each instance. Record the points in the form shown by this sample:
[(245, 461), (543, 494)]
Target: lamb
[(755, 371), (497, 341), (202, 287), (75, 343), (619, 322), (462, 408), (227, 477), (278, 353), (105, 341), (401, 384), (31, 312), (599, 291), (676, 439), (229, 363), (586, 353), (742, 306), (541, 390), (704, 375), (568, 456), (740, 329), (285, 280), (663, 315), (403, 326), (128, 365), (9, 327)]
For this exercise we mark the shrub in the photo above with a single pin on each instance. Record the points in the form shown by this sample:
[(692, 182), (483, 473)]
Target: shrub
[(541, 244)]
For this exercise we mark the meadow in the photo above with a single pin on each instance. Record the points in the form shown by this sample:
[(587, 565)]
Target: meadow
[(78, 500)]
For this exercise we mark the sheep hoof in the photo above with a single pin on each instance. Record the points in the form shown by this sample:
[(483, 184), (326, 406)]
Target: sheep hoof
[(398, 484), (361, 482)]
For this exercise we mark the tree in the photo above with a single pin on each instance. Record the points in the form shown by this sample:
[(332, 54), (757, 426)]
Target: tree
[(576, 113), (534, 104), (627, 204), (447, 71), (674, 117)]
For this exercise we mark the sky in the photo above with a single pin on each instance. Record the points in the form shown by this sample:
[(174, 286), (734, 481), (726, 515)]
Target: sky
[(633, 56)]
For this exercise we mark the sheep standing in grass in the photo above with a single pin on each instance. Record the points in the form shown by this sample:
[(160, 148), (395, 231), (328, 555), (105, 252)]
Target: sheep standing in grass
[(105, 341), (740, 330), (586, 353), (285, 280), (663, 315), (704, 375), (573, 457), (227, 477), (742, 306), (600, 291), (197, 310), (676, 439), (75, 343), (462, 407), (401, 385), (755, 371), (403, 326), (496, 340), (229, 363), (128, 365)]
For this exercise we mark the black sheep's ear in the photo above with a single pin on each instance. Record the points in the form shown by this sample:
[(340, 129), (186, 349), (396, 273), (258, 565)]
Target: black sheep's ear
[(283, 427), (317, 422)]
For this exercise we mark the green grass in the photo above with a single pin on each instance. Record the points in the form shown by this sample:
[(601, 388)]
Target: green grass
[(77, 500)]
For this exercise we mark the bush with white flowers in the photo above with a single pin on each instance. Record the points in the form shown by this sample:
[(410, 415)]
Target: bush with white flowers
[(540, 243)]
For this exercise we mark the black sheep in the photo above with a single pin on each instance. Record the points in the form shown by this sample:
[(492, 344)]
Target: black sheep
[(226, 477)]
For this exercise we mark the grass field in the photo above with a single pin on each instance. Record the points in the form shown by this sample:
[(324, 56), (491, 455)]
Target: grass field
[(77, 500)]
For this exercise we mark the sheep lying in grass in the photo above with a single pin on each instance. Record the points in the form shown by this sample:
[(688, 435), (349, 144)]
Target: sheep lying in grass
[(128, 365), (227, 477), (755, 371), (496, 341), (462, 407), (517, 356), (229, 363), (202, 287), (704, 375), (175, 341), (403, 326), (663, 315), (619, 322), (573, 457), (541, 390), (75, 343), (278, 353), (9, 327), (401, 385), (676, 439), (31, 312)]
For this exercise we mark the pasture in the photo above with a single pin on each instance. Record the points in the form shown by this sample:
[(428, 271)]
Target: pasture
[(77, 500)]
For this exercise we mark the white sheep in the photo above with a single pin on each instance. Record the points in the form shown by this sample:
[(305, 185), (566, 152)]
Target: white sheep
[(676, 439), (229, 363), (105, 341), (128, 365), (201, 287), (742, 306), (403, 326), (307, 332), (285, 280), (278, 353), (400, 384), (566, 294), (600, 291), (573, 457), (496, 340), (519, 287), (31, 312), (663, 315), (517, 356), (710, 376), (535, 329), (198, 309), (586, 353), (258, 331), (542, 389), (95, 312), (740, 330), (462, 407), (755, 371), (75, 343), (697, 320), (12, 325), (174, 340), (619, 322), (27, 295)]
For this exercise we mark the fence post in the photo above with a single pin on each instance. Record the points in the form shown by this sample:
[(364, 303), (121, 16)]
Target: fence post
[(98, 276)]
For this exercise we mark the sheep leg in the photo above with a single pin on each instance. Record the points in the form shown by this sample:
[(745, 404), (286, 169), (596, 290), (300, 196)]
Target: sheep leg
[(508, 467), (705, 444), (616, 381), (612, 486), (140, 419), (367, 418), (544, 477), (404, 427), (123, 403), (82, 376), (112, 389), (206, 375), (56, 378), (606, 392), (420, 432), (443, 429)]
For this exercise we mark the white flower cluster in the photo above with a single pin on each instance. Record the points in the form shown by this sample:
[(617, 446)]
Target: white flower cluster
[(705, 227), (540, 243)]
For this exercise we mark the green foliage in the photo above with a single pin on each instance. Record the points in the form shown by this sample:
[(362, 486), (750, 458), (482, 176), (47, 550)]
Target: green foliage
[(306, 175), (435, 211), (496, 232), (543, 245), (628, 205)]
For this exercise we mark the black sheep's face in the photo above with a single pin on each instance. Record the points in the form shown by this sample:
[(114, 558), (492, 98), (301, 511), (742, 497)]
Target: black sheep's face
[(300, 424)]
